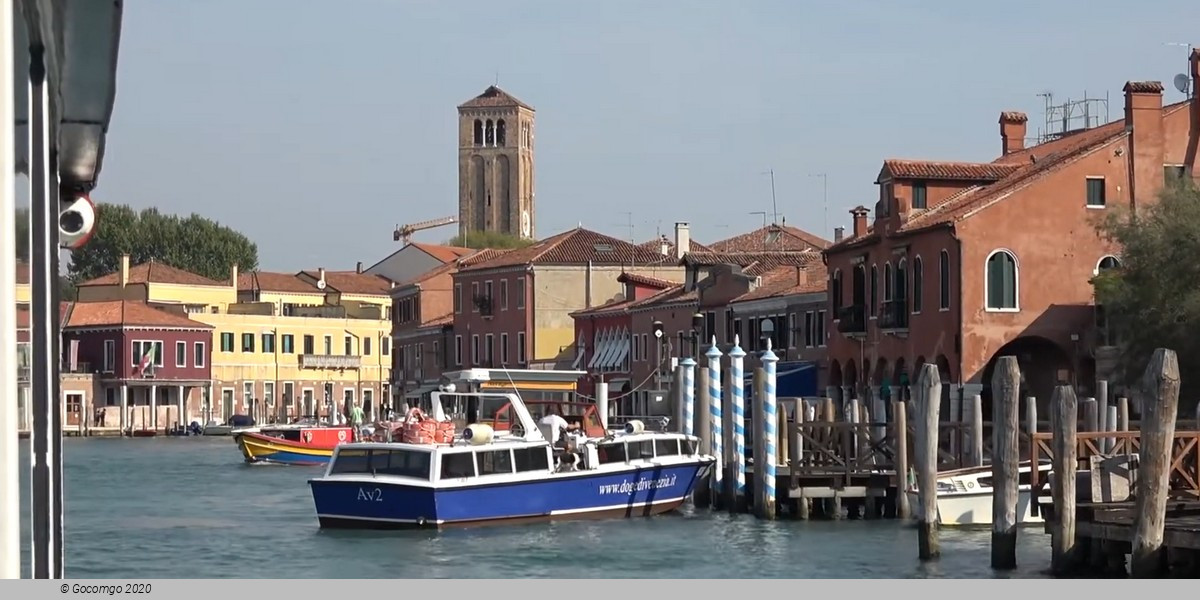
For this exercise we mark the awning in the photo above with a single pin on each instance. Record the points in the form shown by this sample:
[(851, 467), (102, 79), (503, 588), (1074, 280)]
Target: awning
[(622, 352), (533, 386), (602, 347)]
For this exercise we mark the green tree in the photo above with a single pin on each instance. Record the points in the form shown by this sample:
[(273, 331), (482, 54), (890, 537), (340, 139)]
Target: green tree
[(1152, 299), (489, 239), (192, 243)]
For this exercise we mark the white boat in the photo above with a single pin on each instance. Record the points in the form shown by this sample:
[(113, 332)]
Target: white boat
[(965, 495), (502, 467)]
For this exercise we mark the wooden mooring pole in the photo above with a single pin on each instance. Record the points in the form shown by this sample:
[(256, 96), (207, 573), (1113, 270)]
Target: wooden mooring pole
[(1064, 426), (929, 400), (702, 495), (1006, 385), (900, 426), (1160, 406), (975, 454)]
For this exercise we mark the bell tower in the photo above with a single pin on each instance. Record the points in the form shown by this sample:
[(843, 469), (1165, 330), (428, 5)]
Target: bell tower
[(495, 165)]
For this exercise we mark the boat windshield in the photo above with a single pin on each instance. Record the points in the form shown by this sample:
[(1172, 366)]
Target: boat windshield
[(382, 461)]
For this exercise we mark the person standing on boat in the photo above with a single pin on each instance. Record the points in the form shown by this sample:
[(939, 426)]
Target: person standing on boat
[(356, 419), (557, 424)]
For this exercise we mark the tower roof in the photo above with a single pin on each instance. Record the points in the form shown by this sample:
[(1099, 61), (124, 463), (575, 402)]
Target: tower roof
[(494, 97)]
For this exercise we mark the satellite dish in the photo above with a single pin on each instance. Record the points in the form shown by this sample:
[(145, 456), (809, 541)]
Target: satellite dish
[(1181, 83)]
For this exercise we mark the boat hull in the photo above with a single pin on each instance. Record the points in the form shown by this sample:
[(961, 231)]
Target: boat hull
[(383, 504), (973, 508), (258, 448)]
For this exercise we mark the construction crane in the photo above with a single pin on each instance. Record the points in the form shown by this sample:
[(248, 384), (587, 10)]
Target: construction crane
[(404, 232)]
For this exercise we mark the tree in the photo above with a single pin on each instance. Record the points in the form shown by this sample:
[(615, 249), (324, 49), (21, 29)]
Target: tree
[(192, 243), (489, 239), (1152, 299)]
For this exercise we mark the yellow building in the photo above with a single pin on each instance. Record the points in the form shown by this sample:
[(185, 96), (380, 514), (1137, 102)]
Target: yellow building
[(315, 340)]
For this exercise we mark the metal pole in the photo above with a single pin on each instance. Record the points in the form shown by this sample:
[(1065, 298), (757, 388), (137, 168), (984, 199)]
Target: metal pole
[(715, 419), (689, 395), (10, 503), (45, 461)]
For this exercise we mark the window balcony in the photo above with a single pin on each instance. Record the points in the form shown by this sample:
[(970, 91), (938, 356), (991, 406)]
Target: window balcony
[(894, 315), (330, 361), (852, 319)]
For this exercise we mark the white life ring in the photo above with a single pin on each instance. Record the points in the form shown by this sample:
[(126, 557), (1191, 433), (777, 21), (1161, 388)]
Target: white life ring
[(342, 435)]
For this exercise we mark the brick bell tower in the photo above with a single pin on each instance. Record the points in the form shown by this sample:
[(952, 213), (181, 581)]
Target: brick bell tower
[(495, 165)]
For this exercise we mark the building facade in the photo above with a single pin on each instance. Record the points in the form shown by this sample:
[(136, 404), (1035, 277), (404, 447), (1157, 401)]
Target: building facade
[(961, 263), (495, 165)]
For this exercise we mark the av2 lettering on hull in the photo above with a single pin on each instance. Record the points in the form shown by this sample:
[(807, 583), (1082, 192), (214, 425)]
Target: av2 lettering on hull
[(370, 495), (641, 485)]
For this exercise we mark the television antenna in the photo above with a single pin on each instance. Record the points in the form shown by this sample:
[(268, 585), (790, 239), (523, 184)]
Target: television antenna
[(774, 209), (824, 198)]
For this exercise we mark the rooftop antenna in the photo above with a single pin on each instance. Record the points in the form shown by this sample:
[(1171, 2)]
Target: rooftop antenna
[(764, 216), (497, 78), (1182, 81), (824, 198), (632, 242), (774, 210)]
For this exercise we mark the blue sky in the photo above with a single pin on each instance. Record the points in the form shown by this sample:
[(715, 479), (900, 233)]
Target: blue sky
[(316, 127)]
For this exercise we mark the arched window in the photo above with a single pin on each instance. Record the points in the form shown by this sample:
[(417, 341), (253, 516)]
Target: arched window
[(500, 133), (944, 280), (489, 134), (887, 282), (836, 293), (901, 291), (478, 132), (1106, 263), (874, 290), (918, 283), (1001, 282)]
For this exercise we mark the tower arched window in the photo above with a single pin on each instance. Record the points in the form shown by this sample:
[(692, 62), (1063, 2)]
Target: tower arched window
[(478, 132), (887, 282), (1002, 281), (874, 291), (918, 284), (900, 293), (500, 133), (489, 134), (944, 280)]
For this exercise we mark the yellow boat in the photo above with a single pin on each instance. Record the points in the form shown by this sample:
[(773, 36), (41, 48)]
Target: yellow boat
[(290, 444)]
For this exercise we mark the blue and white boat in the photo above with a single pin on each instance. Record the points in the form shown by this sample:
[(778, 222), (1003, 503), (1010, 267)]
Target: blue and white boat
[(504, 468)]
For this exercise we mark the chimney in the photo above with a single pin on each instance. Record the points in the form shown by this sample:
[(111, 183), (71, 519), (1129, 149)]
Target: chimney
[(233, 277), (683, 239), (321, 274), (1143, 117), (664, 246), (801, 276), (860, 220), (1012, 131), (838, 234), (358, 267), (124, 270)]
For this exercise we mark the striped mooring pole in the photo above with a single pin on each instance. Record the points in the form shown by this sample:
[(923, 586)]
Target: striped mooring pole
[(689, 395), (715, 421), (769, 434), (737, 363)]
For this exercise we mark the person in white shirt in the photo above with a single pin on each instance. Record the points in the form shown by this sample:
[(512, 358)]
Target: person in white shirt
[(557, 424)]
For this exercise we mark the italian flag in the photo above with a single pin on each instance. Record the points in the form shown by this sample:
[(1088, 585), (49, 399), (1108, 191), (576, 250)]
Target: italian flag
[(147, 357)]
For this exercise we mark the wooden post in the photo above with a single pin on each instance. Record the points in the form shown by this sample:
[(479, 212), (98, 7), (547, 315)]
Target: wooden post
[(1091, 418), (928, 399), (900, 429), (854, 418), (956, 428), (1006, 384), (976, 448), (702, 495), (1063, 413), (796, 458), (1102, 414), (1160, 406), (1122, 414)]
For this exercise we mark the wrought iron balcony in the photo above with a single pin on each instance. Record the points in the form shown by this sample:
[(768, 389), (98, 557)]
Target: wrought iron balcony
[(894, 315), (330, 361), (852, 319)]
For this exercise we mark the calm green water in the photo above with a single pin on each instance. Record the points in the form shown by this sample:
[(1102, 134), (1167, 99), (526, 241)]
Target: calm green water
[(190, 508)]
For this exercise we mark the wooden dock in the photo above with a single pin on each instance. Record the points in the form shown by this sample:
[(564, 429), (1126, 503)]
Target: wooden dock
[(1105, 533)]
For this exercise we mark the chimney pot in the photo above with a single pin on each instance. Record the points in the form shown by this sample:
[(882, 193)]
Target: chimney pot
[(233, 277), (683, 239), (860, 220), (124, 270), (838, 234), (1012, 131), (358, 268)]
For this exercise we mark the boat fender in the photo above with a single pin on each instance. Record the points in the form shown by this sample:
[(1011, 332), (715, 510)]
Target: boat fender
[(478, 433), (635, 426)]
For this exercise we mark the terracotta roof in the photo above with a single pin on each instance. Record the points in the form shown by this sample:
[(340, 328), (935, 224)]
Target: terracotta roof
[(446, 319), (1144, 87), (22, 272), (155, 272), (943, 170), (275, 282), (646, 281), (482, 255), (655, 245), (1013, 116), (443, 253), (785, 281), (126, 313), (786, 238), (609, 307), (755, 263), (493, 97), (353, 282), (575, 247), (674, 295)]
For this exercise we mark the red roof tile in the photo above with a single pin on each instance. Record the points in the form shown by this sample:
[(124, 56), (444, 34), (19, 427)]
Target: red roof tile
[(493, 97), (655, 245), (267, 281), (155, 272), (1144, 87), (786, 281), (773, 237), (353, 282), (755, 263), (443, 253), (575, 247), (126, 313), (646, 281), (446, 319), (1013, 116), (943, 170)]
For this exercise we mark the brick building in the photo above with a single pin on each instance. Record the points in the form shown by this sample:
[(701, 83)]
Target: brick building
[(960, 263)]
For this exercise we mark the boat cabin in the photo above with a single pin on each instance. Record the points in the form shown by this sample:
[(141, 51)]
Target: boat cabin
[(317, 436), (497, 412)]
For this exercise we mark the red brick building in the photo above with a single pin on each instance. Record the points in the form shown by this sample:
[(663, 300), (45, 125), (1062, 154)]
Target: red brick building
[(137, 356), (960, 263)]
